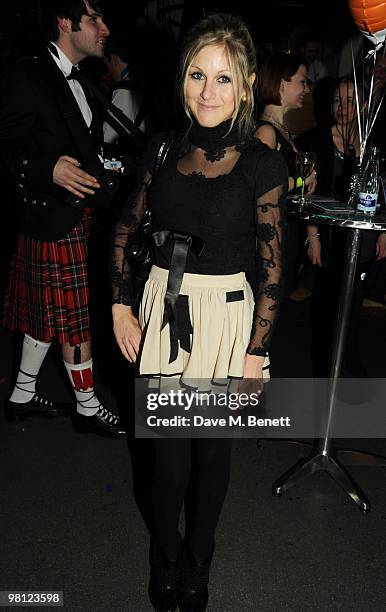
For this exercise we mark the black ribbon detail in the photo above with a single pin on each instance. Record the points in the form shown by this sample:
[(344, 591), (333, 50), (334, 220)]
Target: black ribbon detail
[(183, 328), (176, 310)]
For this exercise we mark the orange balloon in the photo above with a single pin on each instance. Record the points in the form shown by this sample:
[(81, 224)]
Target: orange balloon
[(370, 18)]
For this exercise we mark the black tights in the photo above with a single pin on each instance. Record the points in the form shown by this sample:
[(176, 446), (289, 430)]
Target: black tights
[(199, 471)]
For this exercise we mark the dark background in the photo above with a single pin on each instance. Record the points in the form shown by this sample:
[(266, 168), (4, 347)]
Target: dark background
[(271, 21)]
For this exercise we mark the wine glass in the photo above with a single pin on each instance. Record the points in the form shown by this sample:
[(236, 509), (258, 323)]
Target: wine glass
[(305, 164)]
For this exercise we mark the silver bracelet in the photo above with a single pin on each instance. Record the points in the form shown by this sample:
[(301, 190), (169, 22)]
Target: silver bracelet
[(309, 237)]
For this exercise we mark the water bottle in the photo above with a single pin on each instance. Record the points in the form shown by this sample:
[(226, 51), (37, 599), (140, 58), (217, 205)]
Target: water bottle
[(369, 185)]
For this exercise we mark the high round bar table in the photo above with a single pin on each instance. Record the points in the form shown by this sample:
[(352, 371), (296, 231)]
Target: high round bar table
[(323, 456)]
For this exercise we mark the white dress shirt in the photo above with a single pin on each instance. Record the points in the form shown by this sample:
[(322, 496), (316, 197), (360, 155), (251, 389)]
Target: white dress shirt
[(65, 66)]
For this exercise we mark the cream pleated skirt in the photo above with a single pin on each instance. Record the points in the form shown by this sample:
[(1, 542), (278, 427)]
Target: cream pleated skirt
[(221, 314)]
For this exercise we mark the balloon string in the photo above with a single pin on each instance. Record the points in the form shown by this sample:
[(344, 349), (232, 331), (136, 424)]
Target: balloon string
[(370, 109), (375, 110), (376, 114), (357, 104)]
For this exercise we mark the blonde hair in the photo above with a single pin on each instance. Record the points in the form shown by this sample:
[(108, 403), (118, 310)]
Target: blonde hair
[(230, 32)]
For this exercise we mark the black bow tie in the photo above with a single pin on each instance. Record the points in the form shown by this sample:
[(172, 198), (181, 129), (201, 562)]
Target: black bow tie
[(74, 74)]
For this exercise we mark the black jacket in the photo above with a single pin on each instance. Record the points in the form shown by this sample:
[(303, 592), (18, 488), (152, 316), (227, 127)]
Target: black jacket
[(33, 135)]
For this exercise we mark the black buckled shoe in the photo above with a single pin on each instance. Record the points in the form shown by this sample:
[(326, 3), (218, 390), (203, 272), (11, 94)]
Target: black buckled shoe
[(193, 594), (37, 406), (104, 422), (164, 580)]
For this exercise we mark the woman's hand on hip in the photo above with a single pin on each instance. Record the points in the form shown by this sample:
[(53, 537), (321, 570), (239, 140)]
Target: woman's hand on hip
[(127, 331)]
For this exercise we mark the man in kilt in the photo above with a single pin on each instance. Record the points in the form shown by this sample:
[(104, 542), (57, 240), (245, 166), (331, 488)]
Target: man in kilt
[(48, 294)]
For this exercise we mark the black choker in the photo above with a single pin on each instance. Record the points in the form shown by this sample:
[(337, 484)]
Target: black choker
[(214, 140)]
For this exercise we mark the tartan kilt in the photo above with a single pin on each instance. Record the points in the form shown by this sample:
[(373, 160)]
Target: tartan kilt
[(47, 295)]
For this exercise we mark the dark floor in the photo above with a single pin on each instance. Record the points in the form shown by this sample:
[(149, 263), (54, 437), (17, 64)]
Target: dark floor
[(69, 520)]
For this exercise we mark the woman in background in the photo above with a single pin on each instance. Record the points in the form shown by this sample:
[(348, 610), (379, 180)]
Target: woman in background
[(282, 85), (337, 148), (336, 144)]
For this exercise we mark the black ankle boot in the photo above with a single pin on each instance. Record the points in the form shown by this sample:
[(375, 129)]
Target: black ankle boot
[(164, 580), (193, 594)]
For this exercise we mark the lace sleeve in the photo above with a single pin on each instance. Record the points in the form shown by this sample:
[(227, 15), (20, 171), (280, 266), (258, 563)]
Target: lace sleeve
[(269, 233), (125, 231)]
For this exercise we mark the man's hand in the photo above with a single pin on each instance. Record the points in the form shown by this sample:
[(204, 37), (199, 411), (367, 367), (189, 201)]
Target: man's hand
[(127, 331), (67, 174)]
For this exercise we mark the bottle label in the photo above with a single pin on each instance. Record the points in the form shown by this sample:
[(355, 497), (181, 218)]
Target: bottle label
[(367, 202)]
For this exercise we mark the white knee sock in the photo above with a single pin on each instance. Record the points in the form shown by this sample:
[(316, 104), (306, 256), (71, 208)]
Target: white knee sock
[(32, 358), (82, 380)]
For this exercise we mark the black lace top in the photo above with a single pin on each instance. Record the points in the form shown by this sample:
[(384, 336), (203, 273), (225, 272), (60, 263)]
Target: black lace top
[(229, 194)]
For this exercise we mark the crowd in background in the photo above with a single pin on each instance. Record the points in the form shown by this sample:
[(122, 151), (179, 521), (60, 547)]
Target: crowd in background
[(146, 95)]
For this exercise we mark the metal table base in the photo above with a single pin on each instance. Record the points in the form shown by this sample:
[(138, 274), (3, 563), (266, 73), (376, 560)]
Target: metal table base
[(327, 462), (324, 457)]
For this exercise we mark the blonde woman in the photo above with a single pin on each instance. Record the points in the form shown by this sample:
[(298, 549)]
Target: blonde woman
[(218, 191)]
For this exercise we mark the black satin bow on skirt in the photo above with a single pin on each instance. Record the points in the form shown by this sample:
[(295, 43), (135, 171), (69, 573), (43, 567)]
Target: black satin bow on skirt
[(176, 307)]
